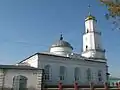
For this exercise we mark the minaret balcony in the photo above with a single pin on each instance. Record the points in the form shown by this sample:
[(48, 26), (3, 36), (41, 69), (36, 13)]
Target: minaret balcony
[(92, 32), (101, 50), (98, 50)]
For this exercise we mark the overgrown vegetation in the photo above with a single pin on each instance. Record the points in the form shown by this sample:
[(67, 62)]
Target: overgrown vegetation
[(113, 14)]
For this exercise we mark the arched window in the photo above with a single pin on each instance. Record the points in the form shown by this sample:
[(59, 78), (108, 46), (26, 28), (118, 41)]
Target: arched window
[(86, 47), (19, 82), (77, 74), (62, 72), (99, 75), (47, 71), (87, 30), (89, 77)]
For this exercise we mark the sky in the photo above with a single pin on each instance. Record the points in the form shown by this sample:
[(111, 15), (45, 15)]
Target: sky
[(30, 26)]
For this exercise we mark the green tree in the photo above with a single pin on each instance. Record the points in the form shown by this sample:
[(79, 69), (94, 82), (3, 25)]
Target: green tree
[(113, 14)]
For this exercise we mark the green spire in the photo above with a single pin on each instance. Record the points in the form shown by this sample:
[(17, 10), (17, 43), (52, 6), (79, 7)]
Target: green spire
[(90, 17)]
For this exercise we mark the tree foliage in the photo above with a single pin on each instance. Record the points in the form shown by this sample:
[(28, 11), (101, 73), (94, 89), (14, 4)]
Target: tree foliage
[(113, 14)]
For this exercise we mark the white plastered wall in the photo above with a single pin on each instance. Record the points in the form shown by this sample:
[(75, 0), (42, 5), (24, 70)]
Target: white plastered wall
[(70, 64), (32, 61), (32, 76), (61, 50)]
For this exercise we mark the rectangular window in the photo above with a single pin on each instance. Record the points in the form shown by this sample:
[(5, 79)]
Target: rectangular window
[(76, 78), (61, 77), (46, 76), (62, 72), (99, 75), (89, 74)]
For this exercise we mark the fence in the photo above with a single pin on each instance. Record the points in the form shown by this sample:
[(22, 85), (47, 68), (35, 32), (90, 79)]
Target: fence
[(75, 86), (19, 89)]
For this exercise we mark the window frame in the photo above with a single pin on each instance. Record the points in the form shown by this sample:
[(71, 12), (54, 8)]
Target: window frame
[(100, 78), (47, 73), (62, 73), (76, 73), (89, 74), (19, 82)]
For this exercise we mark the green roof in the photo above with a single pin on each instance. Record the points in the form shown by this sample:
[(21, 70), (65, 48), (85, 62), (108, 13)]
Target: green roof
[(90, 17), (114, 78)]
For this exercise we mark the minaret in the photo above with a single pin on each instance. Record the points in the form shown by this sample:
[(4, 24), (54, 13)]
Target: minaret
[(92, 45)]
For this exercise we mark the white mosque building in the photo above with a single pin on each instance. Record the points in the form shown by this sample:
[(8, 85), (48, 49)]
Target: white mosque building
[(60, 63)]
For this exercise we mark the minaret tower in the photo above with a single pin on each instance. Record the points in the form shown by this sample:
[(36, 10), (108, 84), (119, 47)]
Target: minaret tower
[(92, 45)]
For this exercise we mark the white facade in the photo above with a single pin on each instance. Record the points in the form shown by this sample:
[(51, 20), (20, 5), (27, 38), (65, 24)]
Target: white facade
[(33, 76), (31, 61), (70, 64), (55, 62)]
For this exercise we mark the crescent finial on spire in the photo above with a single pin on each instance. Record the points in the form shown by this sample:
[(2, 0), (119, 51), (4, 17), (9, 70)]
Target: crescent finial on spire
[(61, 37), (90, 16), (89, 12)]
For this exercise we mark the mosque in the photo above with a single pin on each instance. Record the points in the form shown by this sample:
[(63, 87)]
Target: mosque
[(60, 63)]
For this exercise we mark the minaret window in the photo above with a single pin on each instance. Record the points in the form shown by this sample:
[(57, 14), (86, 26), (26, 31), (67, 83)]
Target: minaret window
[(87, 30), (86, 47)]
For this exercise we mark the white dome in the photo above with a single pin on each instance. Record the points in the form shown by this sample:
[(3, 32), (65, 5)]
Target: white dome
[(61, 47)]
